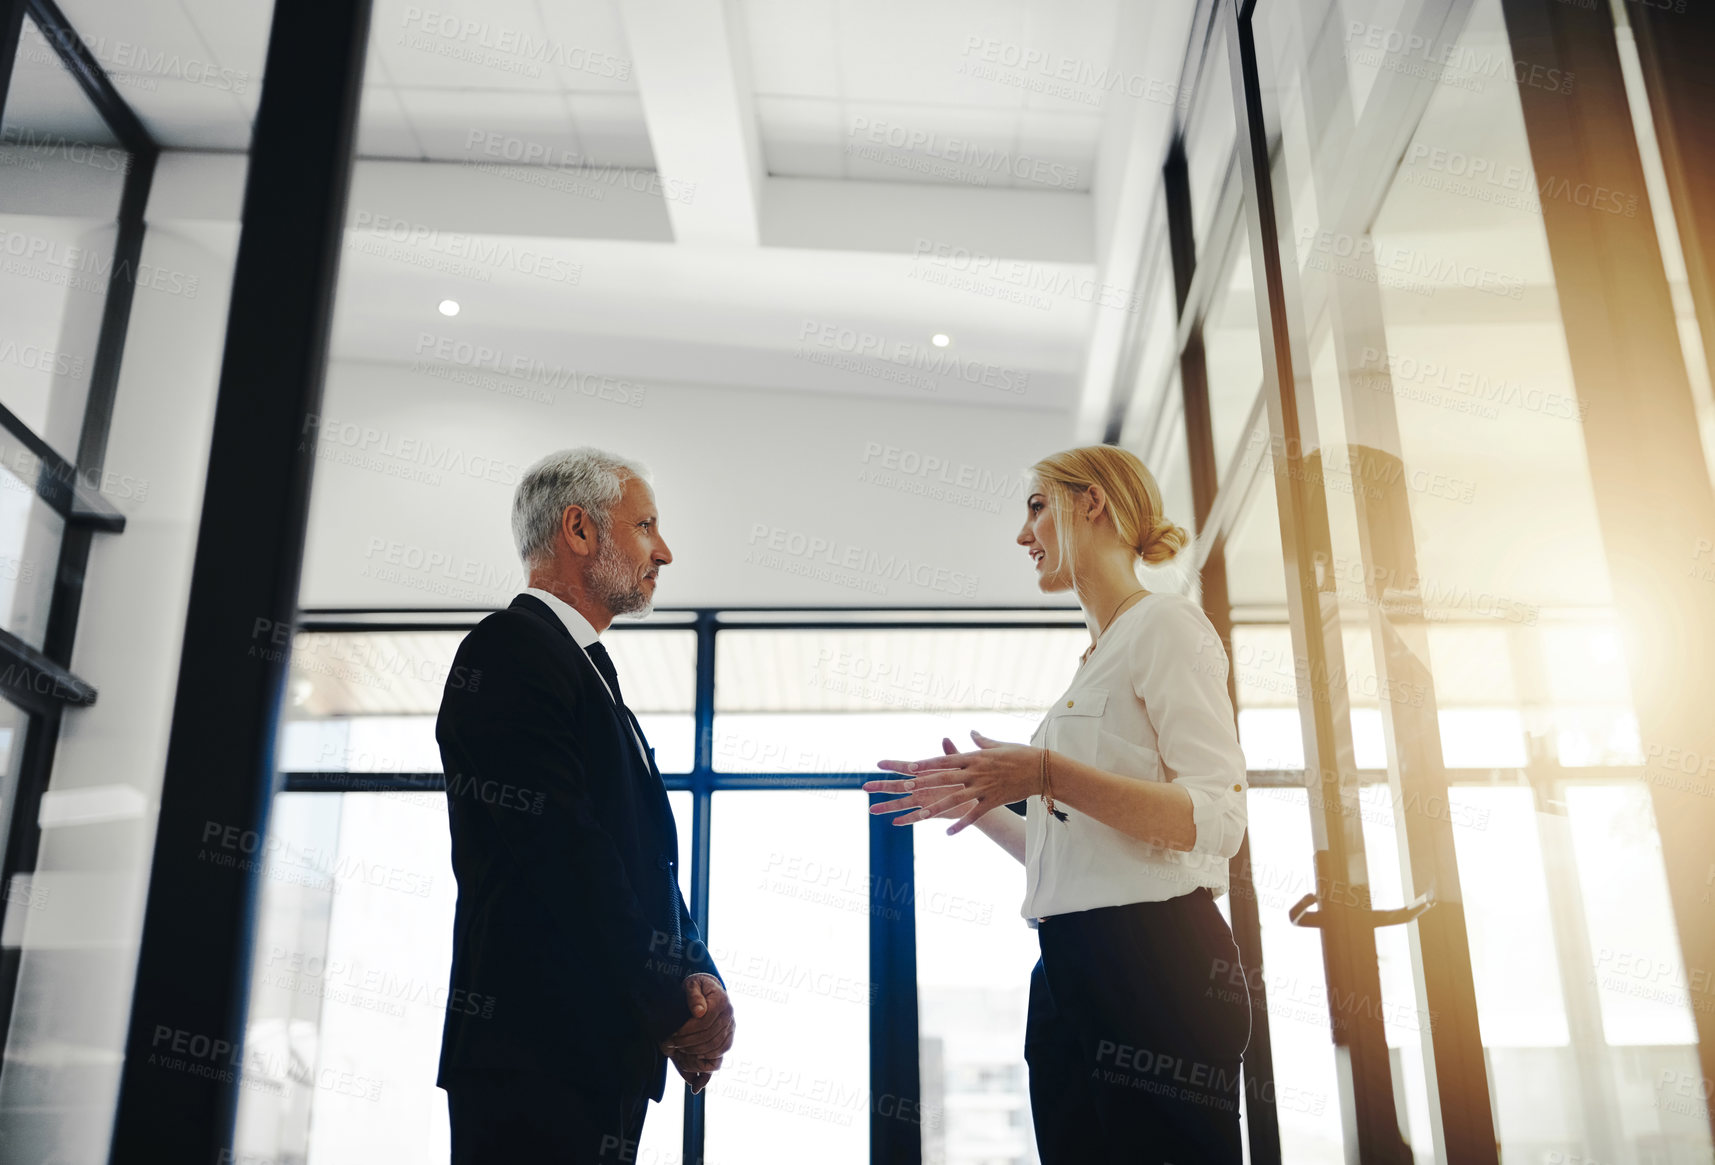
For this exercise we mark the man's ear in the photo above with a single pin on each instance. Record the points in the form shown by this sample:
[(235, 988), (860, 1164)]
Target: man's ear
[(577, 530)]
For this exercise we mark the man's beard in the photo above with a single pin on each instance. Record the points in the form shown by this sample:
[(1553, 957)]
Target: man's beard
[(616, 584)]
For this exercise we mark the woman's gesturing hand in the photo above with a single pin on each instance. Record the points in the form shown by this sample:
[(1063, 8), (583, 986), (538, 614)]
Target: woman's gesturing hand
[(960, 784)]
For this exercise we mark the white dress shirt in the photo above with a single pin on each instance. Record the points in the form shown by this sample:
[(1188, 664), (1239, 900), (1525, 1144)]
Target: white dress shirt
[(583, 634), (1149, 703)]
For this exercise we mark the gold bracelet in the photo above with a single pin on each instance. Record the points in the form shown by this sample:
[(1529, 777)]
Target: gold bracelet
[(1047, 785)]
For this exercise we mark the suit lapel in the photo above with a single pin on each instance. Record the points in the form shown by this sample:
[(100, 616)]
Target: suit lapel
[(623, 718)]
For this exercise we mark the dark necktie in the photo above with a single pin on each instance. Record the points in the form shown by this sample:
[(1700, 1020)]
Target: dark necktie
[(604, 664)]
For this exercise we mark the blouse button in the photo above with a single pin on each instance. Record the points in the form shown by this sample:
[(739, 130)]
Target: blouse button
[(1238, 788), (1068, 703)]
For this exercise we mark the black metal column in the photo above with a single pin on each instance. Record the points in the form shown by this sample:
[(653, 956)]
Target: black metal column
[(180, 1084), (895, 1074), (702, 817), (11, 28)]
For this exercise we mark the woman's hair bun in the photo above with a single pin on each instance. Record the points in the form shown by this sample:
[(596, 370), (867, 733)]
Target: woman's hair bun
[(1162, 542)]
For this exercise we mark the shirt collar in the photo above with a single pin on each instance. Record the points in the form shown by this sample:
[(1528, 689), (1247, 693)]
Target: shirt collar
[(582, 633)]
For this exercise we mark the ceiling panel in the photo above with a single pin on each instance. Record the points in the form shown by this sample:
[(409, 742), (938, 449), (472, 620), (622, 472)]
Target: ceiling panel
[(587, 46), (184, 115), (897, 92), (905, 51), (383, 131), (912, 143), (236, 31), (461, 44), (186, 93), (1057, 151), (613, 129), (792, 47), (490, 126), (1076, 72), (802, 136)]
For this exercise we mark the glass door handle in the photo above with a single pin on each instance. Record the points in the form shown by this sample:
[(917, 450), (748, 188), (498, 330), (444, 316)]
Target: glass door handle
[(1301, 913)]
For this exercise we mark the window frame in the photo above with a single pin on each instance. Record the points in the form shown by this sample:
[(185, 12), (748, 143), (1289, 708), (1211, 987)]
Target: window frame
[(41, 681)]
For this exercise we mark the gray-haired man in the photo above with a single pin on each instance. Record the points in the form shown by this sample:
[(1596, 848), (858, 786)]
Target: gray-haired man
[(571, 936)]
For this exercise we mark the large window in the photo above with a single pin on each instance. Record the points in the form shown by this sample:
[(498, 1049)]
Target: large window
[(349, 976)]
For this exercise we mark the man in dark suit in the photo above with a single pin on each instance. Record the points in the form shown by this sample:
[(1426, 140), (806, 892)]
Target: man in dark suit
[(577, 970)]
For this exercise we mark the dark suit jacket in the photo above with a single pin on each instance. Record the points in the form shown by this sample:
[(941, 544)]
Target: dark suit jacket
[(571, 940)]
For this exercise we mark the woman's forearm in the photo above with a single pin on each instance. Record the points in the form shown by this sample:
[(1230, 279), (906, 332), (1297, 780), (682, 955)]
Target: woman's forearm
[(1007, 829), (1158, 812)]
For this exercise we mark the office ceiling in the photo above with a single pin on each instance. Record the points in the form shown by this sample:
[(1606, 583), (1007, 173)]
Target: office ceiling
[(888, 91), (877, 172)]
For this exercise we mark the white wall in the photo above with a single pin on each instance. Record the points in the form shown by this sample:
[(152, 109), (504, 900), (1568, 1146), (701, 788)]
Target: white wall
[(414, 480)]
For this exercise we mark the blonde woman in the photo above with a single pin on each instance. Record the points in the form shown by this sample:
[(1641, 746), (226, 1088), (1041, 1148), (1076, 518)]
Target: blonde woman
[(1135, 787)]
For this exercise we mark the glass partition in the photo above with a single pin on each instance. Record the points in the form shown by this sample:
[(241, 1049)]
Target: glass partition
[(64, 171), (1440, 424)]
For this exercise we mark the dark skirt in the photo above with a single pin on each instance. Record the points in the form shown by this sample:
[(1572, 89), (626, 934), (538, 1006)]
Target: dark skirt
[(1136, 1035)]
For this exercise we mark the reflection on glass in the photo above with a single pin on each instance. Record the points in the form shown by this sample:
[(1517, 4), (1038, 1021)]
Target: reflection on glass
[(1171, 463), (789, 918), (1435, 316), (1374, 40), (64, 171), (1155, 336), (1474, 356), (1232, 344), (1210, 136), (1697, 364), (974, 958)]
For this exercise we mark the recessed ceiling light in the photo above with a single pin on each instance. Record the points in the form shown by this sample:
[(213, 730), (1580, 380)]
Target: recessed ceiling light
[(940, 339), (449, 307)]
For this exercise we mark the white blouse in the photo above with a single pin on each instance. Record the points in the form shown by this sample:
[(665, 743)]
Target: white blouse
[(1150, 703)]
